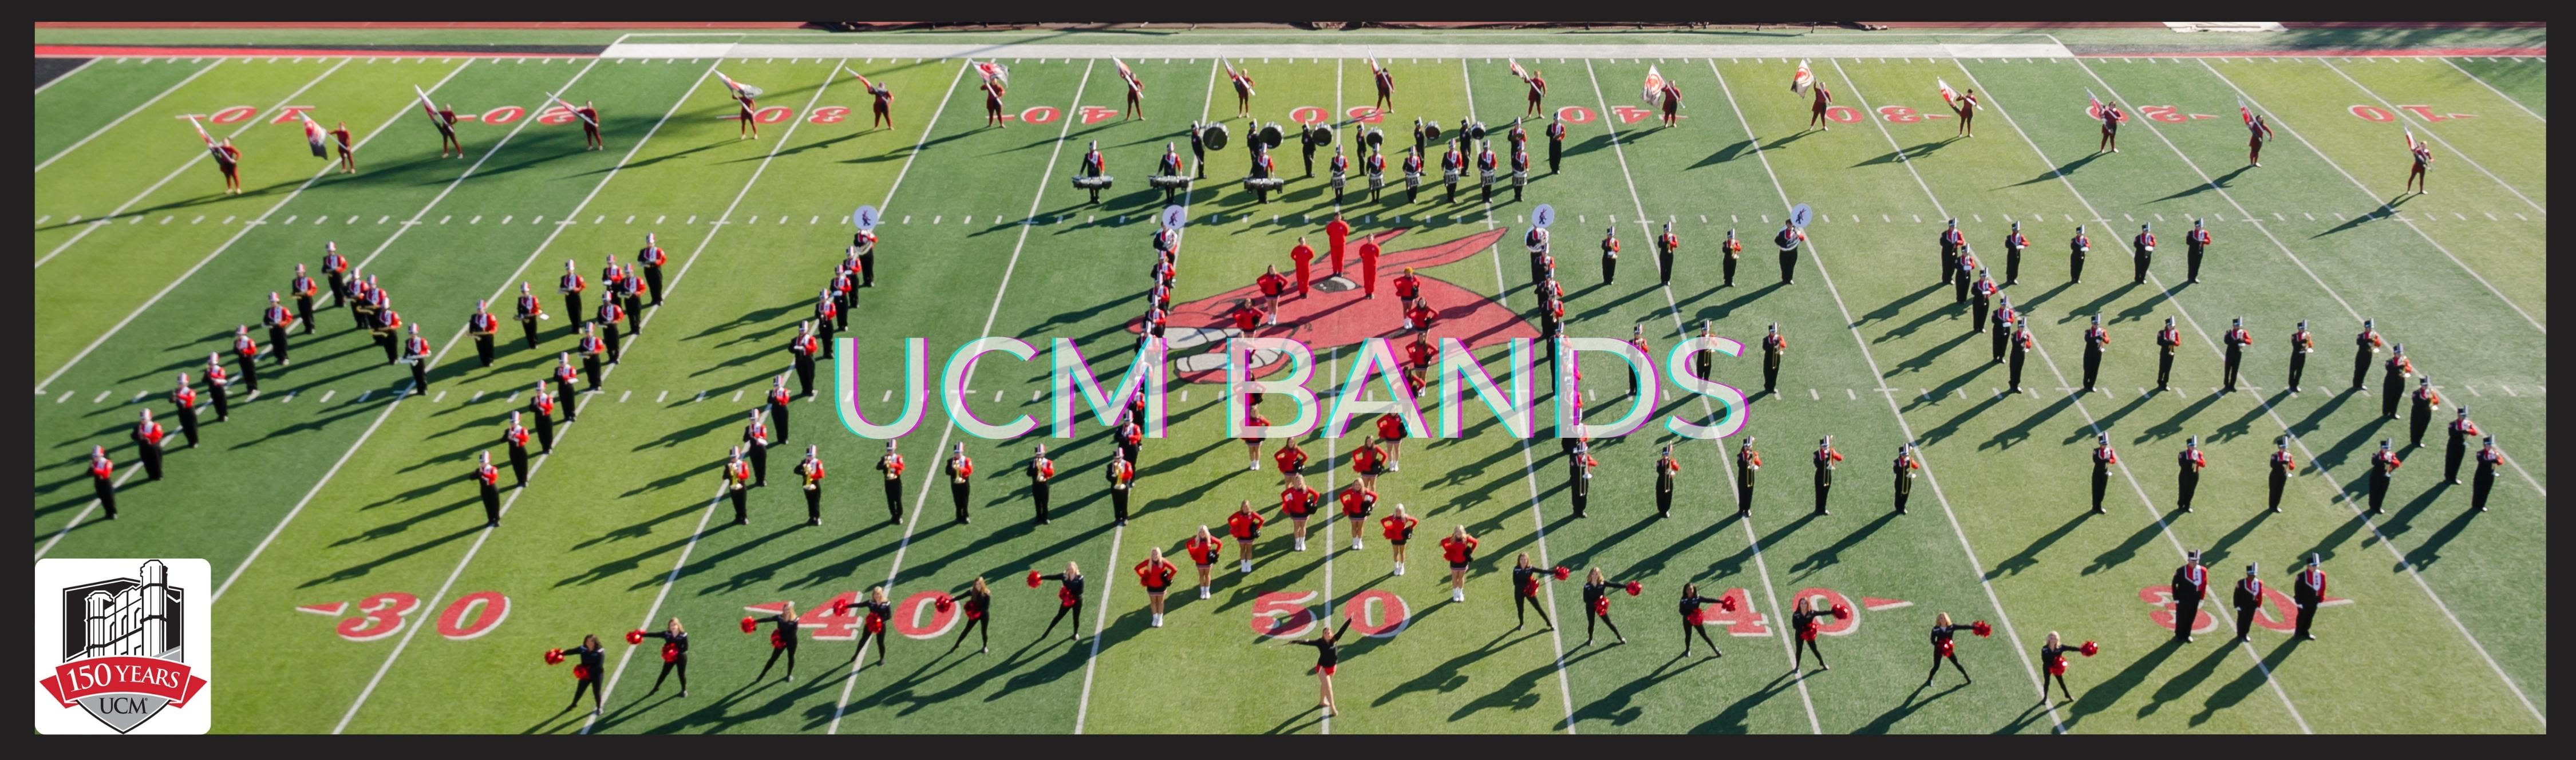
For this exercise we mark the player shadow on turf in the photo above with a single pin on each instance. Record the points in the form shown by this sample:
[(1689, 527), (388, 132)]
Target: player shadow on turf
[(2069, 168), (1312, 716), (1828, 556), (2376, 214), (2127, 550), (2401, 520), (2172, 425), (395, 528), (2028, 557), (1905, 709), (2243, 528), (1737, 150), (2245, 684), (344, 412), (2182, 684), (2102, 696), (1908, 154), (361, 569), (1616, 707), (1908, 328), (2020, 432), (1923, 361), (2221, 182), (1010, 531), (1722, 311), (1896, 307), (644, 527), (1732, 719), (547, 149)]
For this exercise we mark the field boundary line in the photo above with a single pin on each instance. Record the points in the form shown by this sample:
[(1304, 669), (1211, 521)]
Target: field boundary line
[(709, 513), (1118, 533), (67, 150), (1976, 566), (49, 83), (254, 223), (2428, 132), (174, 284), (1529, 462), (857, 658), (2095, 423), (584, 399), (2313, 461), (2385, 209), (184, 166), (2455, 66)]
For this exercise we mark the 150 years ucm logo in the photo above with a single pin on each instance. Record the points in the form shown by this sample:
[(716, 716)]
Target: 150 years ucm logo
[(120, 648)]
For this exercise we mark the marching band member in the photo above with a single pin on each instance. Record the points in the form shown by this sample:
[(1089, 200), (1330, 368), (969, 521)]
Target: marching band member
[(737, 476), (185, 398), (2188, 465), (1667, 470), (2383, 467), (488, 480), (2308, 592), (2189, 586), (1122, 480), (811, 470), (892, 465), (147, 437), (2422, 152), (1904, 467), (1041, 474), (515, 436), (2103, 458), (960, 470), (102, 479)]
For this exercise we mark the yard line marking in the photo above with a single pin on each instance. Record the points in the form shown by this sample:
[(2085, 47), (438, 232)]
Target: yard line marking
[(193, 157), (2428, 132), (1899, 413), (857, 660), (362, 395), (58, 155), (658, 399), (450, 344), (326, 398), (2095, 424), (2365, 189), (67, 396), (484, 536), (442, 396), (2482, 82), (1752, 540), (1117, 535), (102, 396), (2508, 390), (210, 257), (139, 396), (621, 396)]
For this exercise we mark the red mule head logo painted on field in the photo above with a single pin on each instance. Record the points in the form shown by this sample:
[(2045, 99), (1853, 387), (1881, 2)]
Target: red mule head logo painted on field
[(1338, 313)]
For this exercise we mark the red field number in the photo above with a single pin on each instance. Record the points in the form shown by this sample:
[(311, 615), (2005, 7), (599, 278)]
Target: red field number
[(1899, 114), (1843, 114), (828, 115), (385, 614), (1365, 114), (1574, 115), (1306, 114), (1285, 614)]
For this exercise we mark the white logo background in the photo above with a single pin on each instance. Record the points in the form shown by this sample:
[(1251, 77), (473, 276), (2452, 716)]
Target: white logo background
[(194, 577)]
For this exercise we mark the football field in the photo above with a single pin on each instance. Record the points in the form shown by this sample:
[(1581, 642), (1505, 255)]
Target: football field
[(372, 599)]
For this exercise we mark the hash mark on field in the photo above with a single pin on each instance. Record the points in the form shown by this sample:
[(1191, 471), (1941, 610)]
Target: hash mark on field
[(702, 396), (935, 219), (362, 396), (1851, 395), (102, 396), (290, 396), (2508, 390), (737, 395), (478, 219), (887, 396), (139, 396), (621, 396), (1811, 395), (67, 396), (658, 399), (1035, 395), (693, 219), (326, 396), (442, 396), (290, 219), (165, 219)]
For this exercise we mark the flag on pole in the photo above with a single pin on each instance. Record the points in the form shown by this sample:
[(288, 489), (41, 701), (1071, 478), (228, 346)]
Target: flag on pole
[(1517, 70), (1947, 94), (872, 87), (2262, 131), (1237, 78), (571, 109), (218, 151), (2410, 138), (740, 90), (313, 135), (1127, 74), (2095, 108), (993, 71), (430, 108), (1654, 89), (1805, 78)]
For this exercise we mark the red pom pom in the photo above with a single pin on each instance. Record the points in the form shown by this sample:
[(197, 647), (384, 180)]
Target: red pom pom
[(1033, 579), (1726, 603), (777, 639), (1842, 612), (580, 673), (2090, 649), (840, 606), (1635, 588), (635, 637), (554, 657), (1562, 573), (670, 652), (1983, 630), (944, 604), (748, 626)]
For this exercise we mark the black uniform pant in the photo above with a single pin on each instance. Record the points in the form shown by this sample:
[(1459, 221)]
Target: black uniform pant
[(277, 342), (1118, 503), (1589, 619), (841, 302), (1824, 487), (868, 266), (1904, 490), (2101, 480), (1609, 269), (572, 306), (1788, 266), (151, 454), (1959, 288), (491, 504), (1688, 629), (741, 507), (774, 652), (778, 416), (2092, 366), (957, 493), (2416, 420), (1581, 499), (519, 464), (590, 369), (528, 327), (894, 500), (608, 335), (634, 315), (1977, 314), (1798, 653), (2479, 485), (2016, 371), (805, 374), (2360, 368), (2185, 484), (2235, 358), (188, 427), (1664, 262), (1771, 374), (759, 456), (680, 664), (2075, 267), (339, 289), (653, 278), (1743, 496), (2307, 617), (814, 504), (2451, 457), (983, 628), (1555, 152), (546, 433), (2378, 489), (2391, 388), (1060, 612), (2002, 338), (391, 343), (2192, 265), (864, 637), (1038, 493), (1937, 657), (2012, 266), (2186, 616), (2142, 259), (1663, 502), (564, 392), (1522, 605), (2279, 480), (592, 684), (825, 334), (1949, 265), (2164, 366), (250, 374), (107, 494), (420, 377), (2245, 621), (483, 348), (223, 401), (2298, 366)]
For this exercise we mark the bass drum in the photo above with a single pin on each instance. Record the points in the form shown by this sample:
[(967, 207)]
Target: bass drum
[(1214, 136)]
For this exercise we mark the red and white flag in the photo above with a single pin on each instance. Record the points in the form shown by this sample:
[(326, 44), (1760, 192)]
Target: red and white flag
[(2094, 107), (2261, 130), (430, 108), (219, 152), (2411, 145), (572, 109), (1654, 88), (1805, 78), (1517, 70), (872, 87), (314, 135), (993, 71), (740, 90), (1947, 95), (1129, 75)]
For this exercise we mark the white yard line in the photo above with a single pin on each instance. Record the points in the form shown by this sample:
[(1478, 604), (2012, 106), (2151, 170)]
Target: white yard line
[(2268, 411), (58, 155), (2089, 420), (2284, 126), (228, 243), (193, 157), (2482, 82), (2428, 133), (857, 660), (583, 399), (1118, 534), (704, 517)]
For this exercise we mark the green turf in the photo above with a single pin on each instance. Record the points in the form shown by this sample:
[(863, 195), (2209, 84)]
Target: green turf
[(628, 529)]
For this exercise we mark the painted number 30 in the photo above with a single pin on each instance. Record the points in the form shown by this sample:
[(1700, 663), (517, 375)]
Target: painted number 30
[(385, 614)]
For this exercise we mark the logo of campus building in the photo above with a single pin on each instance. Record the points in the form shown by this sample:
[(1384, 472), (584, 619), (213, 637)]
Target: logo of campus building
[(119, 646)]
